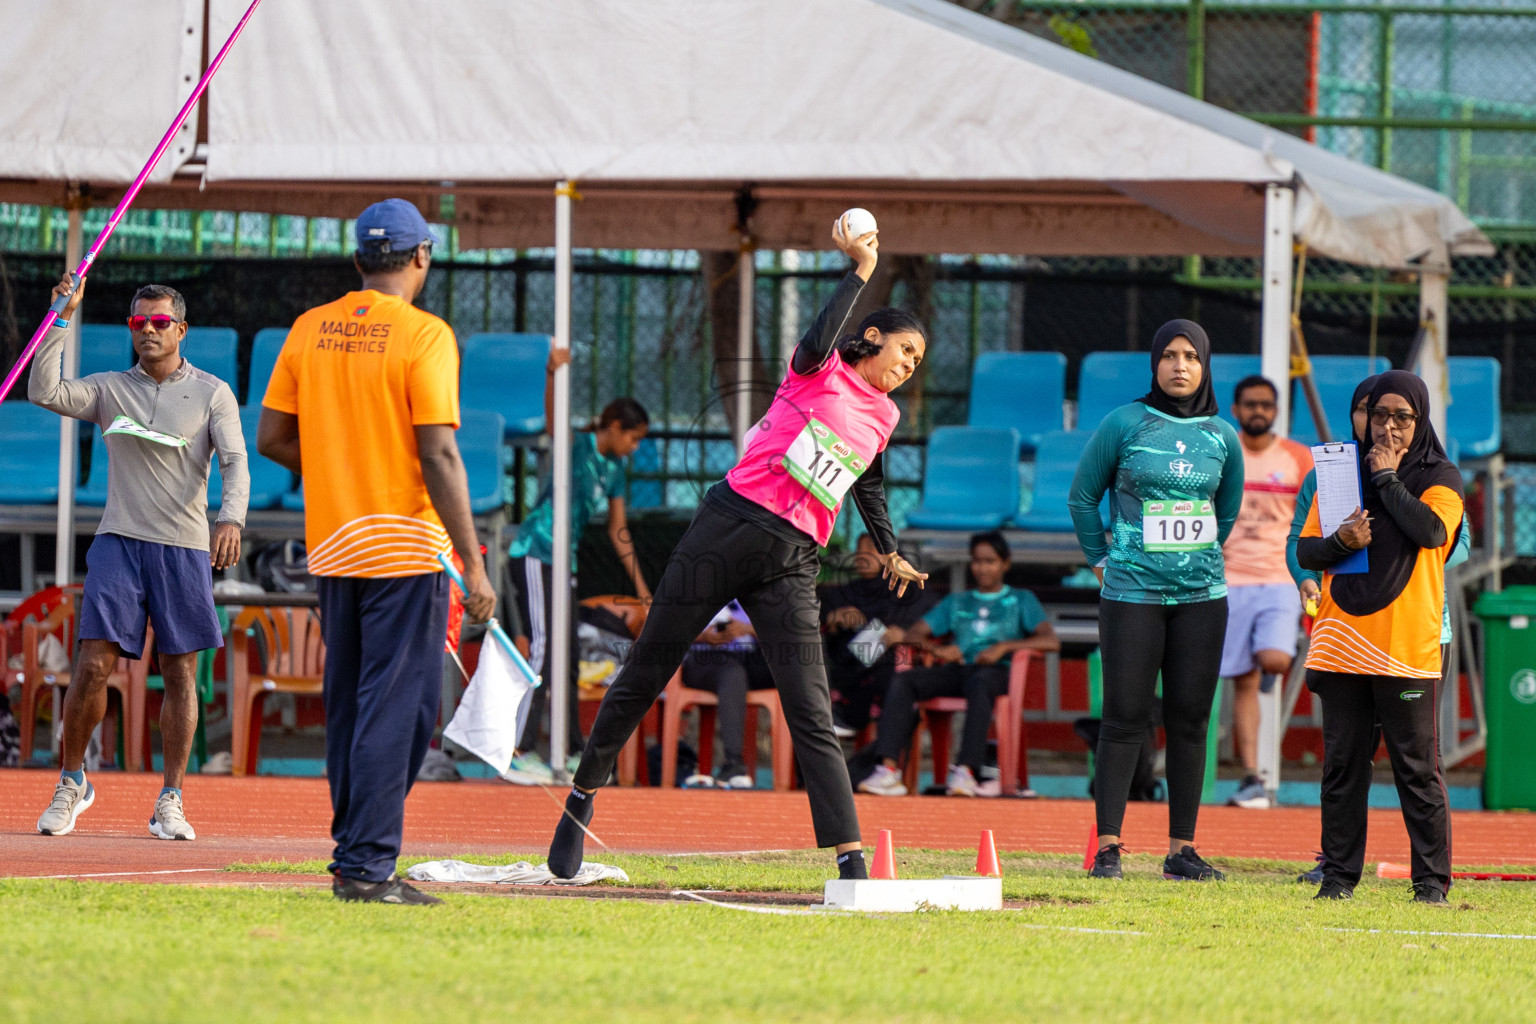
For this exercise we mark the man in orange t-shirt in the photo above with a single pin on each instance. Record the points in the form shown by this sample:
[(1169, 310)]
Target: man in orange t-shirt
[(364, 401), (1263, 606)]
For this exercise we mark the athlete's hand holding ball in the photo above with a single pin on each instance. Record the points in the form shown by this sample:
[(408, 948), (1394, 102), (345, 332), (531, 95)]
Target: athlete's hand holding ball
[(861, 246)]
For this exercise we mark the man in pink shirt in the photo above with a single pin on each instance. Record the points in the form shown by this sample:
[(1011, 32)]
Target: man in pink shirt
[(1264, 607)]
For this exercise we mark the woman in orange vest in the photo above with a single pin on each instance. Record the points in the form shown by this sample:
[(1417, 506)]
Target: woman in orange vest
[(1375, 652)]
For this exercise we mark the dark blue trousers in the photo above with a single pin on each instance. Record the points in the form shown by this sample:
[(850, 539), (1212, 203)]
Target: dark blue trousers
[(383, 682)]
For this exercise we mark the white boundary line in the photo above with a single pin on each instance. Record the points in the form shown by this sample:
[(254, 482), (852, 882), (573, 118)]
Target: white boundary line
[(123, 874), (822, 911), (1458, 935)]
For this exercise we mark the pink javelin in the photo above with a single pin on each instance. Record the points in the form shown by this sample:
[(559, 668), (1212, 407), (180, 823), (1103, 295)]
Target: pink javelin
[(122, 207)]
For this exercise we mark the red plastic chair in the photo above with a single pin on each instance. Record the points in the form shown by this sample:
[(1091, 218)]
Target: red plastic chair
[(1007, 725), (680, 698)]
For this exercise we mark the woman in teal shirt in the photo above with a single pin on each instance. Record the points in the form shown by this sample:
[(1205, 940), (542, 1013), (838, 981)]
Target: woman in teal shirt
[(1174, 473), (597, 484)]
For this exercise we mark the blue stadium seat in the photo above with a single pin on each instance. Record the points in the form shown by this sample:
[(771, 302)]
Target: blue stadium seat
[(1226, 371), (1021, 390), (480, 438), (269, 481), (214, 350), (105, 347), (1108, 380), (971, 481), (29, 454), (645, 493), (1472, 422), (505, 374), (293, 500), (1336, 377), (1055, 466), (264, 350)]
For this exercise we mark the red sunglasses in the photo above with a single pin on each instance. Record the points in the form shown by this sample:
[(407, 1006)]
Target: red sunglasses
[(160, 320)]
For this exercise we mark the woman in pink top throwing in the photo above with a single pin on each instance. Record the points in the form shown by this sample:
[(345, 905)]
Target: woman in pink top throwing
[(755, 539)]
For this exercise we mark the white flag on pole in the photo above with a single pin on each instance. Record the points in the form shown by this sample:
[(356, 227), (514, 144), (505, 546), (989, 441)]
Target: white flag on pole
[(491, 716)]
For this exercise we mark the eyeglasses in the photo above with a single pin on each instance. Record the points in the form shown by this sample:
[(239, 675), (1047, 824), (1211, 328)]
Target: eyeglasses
[(159, 320), (1400, 420)]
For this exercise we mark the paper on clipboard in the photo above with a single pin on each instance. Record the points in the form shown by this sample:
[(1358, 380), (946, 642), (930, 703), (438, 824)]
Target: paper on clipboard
[(1338, 495)]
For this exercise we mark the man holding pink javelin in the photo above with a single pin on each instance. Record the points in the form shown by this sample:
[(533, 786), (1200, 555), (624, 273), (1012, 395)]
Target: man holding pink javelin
[(153, 558)]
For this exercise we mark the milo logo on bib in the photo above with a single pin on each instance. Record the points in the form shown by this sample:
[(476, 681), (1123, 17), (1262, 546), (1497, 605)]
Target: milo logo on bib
[(1183, 508), (823, 463)]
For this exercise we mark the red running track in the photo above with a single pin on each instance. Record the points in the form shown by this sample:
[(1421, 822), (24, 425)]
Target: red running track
[(265, 818)]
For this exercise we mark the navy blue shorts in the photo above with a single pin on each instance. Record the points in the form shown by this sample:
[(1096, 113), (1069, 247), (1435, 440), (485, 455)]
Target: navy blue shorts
[(130, 581)]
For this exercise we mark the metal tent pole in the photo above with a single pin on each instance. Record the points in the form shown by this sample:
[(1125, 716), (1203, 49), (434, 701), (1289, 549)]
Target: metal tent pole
[(560, 442)]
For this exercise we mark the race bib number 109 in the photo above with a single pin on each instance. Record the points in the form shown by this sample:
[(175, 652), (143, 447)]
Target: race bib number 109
[(824, 463), (1177, 525)]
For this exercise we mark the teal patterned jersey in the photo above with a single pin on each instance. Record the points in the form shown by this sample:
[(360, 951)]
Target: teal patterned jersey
[(1142, 456)]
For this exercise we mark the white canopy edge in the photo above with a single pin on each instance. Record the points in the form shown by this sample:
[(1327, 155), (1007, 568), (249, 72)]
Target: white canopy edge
[(93, 85)]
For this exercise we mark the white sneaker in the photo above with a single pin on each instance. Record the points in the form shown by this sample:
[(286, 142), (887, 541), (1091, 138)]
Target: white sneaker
[(698, 780), (69, 802), (884, 782), (739, 781), (529, 770), (961, 782), (169, 822)]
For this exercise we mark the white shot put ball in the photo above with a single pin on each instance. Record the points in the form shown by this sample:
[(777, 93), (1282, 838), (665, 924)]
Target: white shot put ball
[(860, 222)]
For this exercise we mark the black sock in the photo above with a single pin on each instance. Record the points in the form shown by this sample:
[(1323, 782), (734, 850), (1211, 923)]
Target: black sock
[(565, 850), (851, 865), (1251, 780)]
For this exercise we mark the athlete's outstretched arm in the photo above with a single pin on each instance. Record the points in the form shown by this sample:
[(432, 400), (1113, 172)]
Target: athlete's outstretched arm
[(828, 325), (869, 496)]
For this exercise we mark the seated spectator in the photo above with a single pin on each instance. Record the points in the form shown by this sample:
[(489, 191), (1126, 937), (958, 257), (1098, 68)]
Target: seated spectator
[(859, 681), (726, 661), (984, 626)]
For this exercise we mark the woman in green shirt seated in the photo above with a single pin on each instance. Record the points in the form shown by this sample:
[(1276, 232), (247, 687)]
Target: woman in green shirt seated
[(986, 625)]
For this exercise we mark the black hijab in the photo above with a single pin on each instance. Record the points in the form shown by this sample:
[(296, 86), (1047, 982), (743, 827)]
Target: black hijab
[(1202, 402), (1424, 465), (1362, 390)]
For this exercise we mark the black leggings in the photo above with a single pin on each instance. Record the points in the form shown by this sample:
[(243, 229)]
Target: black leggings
[(728, 674), (721, 557), (1137, 641)]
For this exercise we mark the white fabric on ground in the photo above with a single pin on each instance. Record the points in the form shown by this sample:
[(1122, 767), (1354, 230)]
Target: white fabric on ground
[(521, 873)]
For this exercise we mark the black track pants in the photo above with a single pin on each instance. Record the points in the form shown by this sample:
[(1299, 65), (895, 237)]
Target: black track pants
[(1137, 641), (723, 557), (1405, 708), (980, 685)]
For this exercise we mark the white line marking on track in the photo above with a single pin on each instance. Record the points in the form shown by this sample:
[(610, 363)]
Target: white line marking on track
[(822, 911), (121, 874), (1458, 935)]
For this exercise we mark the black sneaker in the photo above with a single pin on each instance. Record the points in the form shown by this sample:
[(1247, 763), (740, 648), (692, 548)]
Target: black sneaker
[(1189, 866), (391, 890), (1333, 889), (1315, 876), (1429, 892), (1106, 863)]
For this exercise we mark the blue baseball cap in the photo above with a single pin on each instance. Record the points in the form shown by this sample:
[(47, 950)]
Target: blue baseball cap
[(393, 225)]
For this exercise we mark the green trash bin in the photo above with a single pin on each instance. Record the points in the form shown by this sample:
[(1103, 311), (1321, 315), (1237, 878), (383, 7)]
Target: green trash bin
[(1509, 688)]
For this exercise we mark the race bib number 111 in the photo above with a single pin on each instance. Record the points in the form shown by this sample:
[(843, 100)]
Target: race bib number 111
[(824, 463), (1177, 525)]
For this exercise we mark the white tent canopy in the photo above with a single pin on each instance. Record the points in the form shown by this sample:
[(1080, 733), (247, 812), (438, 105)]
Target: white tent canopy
[(966, 135)]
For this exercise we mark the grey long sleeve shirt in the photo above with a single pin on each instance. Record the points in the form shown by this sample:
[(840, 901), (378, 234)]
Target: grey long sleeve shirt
[(160, 446)]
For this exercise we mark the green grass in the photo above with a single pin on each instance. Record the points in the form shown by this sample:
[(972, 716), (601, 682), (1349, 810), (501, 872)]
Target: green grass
[(1254, 949)]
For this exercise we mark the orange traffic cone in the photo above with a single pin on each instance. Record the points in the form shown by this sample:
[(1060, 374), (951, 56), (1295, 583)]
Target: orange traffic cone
[(1093, 847), (885, 857), (986, 857)]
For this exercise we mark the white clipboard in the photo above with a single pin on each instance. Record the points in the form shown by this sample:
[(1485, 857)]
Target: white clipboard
[(1339, 493)]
